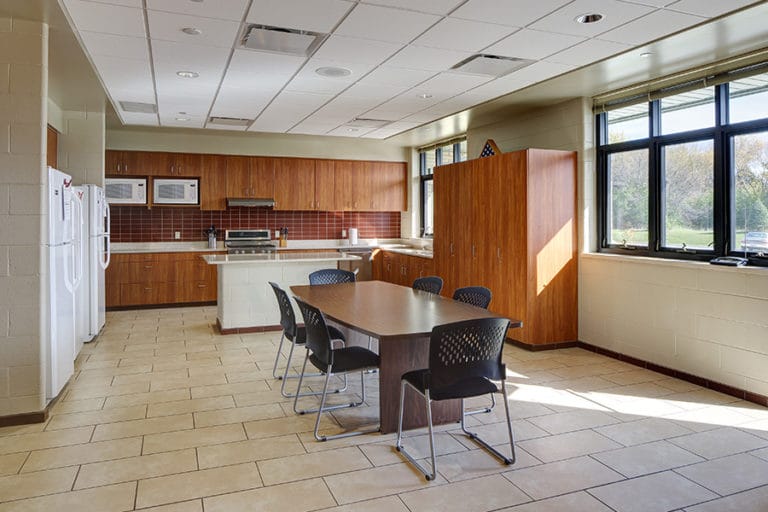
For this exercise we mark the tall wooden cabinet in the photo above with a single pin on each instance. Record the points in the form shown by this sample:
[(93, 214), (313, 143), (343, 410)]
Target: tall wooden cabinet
[(508, 222)]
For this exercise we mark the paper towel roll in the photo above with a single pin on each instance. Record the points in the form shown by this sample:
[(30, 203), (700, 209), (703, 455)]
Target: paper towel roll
[(352, 236)]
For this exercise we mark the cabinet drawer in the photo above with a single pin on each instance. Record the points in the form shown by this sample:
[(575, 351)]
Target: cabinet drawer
[(197, 291), (135, 294), (150, 271)]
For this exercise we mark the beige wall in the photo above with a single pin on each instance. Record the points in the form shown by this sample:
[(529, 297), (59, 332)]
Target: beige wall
[(23, 176), (81, 146)]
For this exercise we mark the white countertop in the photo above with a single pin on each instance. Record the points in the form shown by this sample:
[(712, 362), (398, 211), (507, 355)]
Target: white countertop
[(336, 244), (240, 259)]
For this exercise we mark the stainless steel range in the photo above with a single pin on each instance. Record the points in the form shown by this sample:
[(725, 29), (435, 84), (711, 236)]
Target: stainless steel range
[(248, 241)]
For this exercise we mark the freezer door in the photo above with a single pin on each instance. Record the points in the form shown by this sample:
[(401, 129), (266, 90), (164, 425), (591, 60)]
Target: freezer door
[(61, 328)]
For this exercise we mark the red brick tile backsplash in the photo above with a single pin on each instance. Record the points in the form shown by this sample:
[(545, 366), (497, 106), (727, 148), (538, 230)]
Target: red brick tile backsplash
[(133, 224)]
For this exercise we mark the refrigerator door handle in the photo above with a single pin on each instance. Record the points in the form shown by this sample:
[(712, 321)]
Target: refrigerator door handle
[(77, 256), (104, 262)]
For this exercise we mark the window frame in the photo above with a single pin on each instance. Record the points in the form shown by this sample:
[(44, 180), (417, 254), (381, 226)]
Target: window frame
[(425, 177), (723, 181)]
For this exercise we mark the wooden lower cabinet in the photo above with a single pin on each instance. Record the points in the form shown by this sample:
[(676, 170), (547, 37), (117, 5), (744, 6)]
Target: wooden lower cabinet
[(159, 279), (398, 268)]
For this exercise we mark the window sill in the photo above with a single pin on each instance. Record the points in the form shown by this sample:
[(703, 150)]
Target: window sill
[(667, 262)]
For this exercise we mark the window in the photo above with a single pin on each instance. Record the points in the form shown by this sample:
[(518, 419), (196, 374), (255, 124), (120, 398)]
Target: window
[(685, 175), (429, 158)]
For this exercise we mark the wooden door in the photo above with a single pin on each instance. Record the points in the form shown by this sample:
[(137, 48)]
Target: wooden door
[(213, 182), (344, 182), (466, 235), (262, 176), (362, 185), (442, 237), (295, 184), (325, 185), (238, 176)]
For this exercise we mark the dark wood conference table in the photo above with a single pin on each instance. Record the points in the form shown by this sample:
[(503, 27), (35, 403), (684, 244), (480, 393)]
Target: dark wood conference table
[(401, 319)]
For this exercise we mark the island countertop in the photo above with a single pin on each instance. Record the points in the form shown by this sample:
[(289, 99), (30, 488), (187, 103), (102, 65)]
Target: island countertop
[(277, 257)]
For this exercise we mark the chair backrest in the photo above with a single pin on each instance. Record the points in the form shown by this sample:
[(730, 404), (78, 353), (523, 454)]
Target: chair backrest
[(318, 338), (287, 316), (331, 276), (431, 284), (471, 348), (478, 296)]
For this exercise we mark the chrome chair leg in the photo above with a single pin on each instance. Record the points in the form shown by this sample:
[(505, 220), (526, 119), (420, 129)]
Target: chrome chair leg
[(480, 442), (323, 409), (399, 443), (285, 377), (277, 357), (483, 410)]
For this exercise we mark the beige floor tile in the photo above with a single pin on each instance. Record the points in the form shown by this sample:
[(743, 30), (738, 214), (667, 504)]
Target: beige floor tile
[(113, 370), (652, 493), (478, 462), (193, 405), (382, 454), (563, 422), (312, 465), (81, 419), (150, 377), (756, 499), (249, 376), (11, 464), (142, 427), (29, 485), (197, 484), (719, 442), (643, 431), (377, 482), (67, 407), (102, 391), (562, 477), (16, 430), (293, 497), (113, 498), (647, 458), (186, 506), (155, 443), (478, 495), (83, 454), (41, 440), (575, 502), (136, 468), (565, 446), (497, 433), (710, 416), (188, 382), (258, 386), (634, 377), (313, 446), (248, 451), (151, 397), (730, 474), (238, 415)]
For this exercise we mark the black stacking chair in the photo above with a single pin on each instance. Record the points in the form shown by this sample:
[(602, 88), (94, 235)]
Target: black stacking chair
[(431, 284), (331, 361), (331, 276), (464, 359), (478, 296), (296, 336)]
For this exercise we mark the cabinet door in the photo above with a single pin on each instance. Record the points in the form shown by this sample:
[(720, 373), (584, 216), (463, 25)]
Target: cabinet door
[(213, 182), (262, 176), (325, 185), (238, 176), (185, 164), (389, 187), (363, 179), (343, 175), (112, 161), (153, 163), (295, 184), (131, 163)]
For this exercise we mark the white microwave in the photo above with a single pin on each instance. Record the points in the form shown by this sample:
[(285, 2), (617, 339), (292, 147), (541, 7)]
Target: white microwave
[(175, 191), (126, 190)]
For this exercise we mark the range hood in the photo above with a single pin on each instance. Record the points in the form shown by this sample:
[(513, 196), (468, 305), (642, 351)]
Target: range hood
[(251, 202)]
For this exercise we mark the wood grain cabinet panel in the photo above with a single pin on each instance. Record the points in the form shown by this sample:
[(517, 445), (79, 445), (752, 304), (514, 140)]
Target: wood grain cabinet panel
[(238, 176), (213, 182), (295, 184), (262, 176), (325, 185)]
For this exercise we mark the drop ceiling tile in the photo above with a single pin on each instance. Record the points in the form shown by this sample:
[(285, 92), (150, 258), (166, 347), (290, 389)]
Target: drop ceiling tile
[(221, 9), (373, 91), (210, 126), (299, 102), (352, 49), (274, 122), (240, 103), (424, 58), (105, 18), (428, 6), (589, 51), (167, 26), (110, 45), (536, 72), (317, 84), (133, 93), (389, 75), (192, 121), (350, 131), (652, 3), (533, 44), (116, 71), (260, 71), (450, 84), (188, 56), (137, 4), (313, 15), (391, 129), (420, 117), (709, 8), (515, 14), (653, 26), (193, 106), (614, 13), (138, 118), (307, 128), (387, 115), (474, 35), (385, 24)]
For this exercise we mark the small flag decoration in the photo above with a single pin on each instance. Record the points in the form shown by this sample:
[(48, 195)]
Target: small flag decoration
[(490, 149)]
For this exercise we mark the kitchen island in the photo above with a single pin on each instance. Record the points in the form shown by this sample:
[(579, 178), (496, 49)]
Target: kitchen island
[(246, 302)]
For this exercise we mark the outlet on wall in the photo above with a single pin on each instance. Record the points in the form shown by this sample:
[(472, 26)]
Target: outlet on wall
[(177, 235)]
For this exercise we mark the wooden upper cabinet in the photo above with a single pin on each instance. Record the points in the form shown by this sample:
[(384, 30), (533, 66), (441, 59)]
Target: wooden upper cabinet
[(52, 147), (344, 172), (262, 176), (213, 182), (295, 184), (250, 176), (123, 162), (388, 185), (185, 164), (325, 185), (237, 170)]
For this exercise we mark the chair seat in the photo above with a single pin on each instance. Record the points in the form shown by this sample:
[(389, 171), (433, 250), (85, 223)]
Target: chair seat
[(301, 335), (348, 359), (469, 387)]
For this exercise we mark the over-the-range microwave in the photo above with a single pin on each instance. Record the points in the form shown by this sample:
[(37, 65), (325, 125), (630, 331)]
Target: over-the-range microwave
[(175, 191), (126, 190)]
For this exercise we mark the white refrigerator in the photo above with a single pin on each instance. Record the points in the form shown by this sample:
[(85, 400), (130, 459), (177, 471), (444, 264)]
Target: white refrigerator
[(95, 247), (64, 275)]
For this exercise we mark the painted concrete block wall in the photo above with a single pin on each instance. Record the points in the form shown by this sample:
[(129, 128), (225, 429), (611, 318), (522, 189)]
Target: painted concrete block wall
[(23, 216), (81, 146)]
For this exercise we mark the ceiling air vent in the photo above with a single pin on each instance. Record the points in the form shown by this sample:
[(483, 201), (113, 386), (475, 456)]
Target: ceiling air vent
[(490, 65), (141, 108), (229, 121), (362, 122), (281, 40)]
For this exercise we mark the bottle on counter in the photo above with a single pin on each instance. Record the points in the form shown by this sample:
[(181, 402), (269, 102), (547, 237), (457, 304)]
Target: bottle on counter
[(283, 237), (211, 232)]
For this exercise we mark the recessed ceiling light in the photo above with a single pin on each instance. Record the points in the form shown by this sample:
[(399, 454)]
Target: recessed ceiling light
[(645, 55), (192, 31), (353, 129), (182, 119), (187, 74), (589, 18), (425, 96), (333, 72)]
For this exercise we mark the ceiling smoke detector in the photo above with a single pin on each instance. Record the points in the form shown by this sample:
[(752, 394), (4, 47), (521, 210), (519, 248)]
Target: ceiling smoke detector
[(229, 121), (490, 65), (333, 72), (138, 107), (192, 31), (188, 74), (281, 40)]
